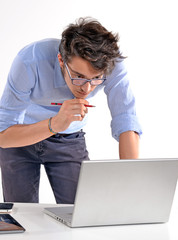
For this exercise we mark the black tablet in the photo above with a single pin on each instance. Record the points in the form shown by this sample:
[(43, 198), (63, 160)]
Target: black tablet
[(9, 225)]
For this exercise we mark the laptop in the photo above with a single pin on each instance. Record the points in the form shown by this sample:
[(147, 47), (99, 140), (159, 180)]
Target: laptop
[(115, 192)]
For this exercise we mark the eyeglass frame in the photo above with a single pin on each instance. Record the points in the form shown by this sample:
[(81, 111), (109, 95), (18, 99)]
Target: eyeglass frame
[(84, 79)]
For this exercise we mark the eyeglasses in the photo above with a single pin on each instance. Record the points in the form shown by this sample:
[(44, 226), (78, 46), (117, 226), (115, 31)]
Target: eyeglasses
[(82, 81)]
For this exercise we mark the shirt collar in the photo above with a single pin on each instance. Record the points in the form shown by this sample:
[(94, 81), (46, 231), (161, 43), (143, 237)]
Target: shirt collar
[(59, 80)]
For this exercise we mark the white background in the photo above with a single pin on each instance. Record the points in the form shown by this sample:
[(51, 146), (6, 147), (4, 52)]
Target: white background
[(148, 36)]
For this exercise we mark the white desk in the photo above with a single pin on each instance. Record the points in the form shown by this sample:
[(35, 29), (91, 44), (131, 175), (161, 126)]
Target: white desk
[(40, 226)]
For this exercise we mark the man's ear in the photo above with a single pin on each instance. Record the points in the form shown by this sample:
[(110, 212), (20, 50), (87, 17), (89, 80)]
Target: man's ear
[(61, 62)]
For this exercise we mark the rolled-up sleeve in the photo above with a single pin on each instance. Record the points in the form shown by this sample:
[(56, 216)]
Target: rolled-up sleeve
[(16, 95), (121, 102)]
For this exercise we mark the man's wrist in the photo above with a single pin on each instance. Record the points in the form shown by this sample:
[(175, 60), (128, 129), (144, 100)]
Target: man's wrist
[(50, 127)]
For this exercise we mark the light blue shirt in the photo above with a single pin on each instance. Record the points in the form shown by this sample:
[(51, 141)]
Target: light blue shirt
[(35, 80)]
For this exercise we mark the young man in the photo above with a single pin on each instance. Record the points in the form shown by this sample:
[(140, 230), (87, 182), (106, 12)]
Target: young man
[(33, 132)]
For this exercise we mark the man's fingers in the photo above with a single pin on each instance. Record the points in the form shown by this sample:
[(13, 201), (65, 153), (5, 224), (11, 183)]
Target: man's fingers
[(79, 101), (77, 118)]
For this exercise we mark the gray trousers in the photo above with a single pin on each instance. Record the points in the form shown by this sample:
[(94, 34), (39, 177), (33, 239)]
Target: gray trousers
[(61, 157)]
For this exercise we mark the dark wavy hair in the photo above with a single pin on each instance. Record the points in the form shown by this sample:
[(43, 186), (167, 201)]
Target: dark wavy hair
[(88, 39)]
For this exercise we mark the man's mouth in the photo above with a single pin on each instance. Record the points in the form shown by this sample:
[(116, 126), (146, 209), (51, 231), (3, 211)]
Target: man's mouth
[(82, 93)]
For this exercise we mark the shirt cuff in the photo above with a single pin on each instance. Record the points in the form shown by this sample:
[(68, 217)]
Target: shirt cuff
[(124, 123)]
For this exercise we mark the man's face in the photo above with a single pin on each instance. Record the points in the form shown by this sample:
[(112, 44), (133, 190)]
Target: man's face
[(79, 68)]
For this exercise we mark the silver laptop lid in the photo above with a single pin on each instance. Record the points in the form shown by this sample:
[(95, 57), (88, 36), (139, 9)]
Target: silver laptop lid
[(125, 192)]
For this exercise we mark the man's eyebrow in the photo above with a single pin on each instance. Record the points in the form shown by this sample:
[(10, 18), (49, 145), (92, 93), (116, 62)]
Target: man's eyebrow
[(82, 74), (76, 71)]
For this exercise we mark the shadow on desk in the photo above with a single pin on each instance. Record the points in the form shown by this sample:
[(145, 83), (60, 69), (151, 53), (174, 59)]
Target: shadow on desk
[(124, 232)]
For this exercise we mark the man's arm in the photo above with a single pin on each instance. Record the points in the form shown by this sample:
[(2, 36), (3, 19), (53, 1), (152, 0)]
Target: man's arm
[(22, 135), (27, 134), (129, 145)]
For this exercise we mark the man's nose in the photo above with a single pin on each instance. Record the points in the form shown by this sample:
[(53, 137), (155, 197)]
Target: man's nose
[(86, 87)]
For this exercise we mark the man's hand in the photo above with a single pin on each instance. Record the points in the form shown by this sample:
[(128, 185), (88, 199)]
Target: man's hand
[(20, 135), (71, 110)]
